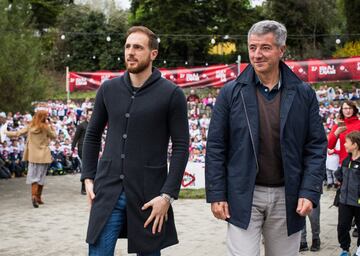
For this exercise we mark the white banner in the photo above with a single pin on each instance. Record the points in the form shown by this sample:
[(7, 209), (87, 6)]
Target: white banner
[(194, 176)]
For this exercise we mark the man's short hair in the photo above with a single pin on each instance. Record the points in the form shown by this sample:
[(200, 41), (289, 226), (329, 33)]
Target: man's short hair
[(354, 137), (270, 26), (153, 39)]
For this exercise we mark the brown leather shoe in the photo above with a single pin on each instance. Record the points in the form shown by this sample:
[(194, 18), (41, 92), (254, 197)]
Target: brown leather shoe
[(38, 194)]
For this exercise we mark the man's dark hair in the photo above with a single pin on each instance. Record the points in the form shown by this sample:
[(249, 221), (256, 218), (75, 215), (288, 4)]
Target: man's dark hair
[(153, 39), (352, 105), (354, 137)]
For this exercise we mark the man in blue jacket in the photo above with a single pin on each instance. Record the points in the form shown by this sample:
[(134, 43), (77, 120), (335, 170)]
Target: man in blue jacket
[(266, 151)]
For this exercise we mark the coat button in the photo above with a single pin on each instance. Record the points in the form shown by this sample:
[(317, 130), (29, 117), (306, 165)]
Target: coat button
[(132, 97), (122, 176), (124, 136), (127, 115), (122, 156)]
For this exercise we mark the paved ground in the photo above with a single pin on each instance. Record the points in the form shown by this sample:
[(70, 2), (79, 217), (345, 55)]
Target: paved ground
[(58, 228)]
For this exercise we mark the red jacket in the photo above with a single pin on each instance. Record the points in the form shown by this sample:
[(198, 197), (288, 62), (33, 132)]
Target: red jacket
[(352, 124)]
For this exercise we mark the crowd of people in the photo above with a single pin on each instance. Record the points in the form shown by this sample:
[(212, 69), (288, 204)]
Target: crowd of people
[(65, 116)]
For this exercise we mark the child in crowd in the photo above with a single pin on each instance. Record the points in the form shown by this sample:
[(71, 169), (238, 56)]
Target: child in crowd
[(348, 177), (59, 160), (16, 165), (332, 164)]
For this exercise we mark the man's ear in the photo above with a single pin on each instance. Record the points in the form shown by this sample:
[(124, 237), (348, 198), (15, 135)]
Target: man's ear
[(282, 50), (154, 54)]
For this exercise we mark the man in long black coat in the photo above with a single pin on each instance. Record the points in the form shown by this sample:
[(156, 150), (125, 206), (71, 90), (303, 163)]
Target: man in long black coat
[(131, 187)]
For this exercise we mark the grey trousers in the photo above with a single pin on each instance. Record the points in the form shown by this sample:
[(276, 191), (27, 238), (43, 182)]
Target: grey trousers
[(330, 177), (268, 218), (314, 218)]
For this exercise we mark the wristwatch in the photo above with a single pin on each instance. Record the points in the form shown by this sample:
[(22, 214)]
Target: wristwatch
[(167, 198)]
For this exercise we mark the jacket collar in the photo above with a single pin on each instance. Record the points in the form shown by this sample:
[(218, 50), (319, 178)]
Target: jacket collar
[(289, 79), (153, 78), (247, 85)]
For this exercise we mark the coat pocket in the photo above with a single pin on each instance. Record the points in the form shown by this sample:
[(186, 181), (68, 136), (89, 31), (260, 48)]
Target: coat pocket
[(154, 179), (102, 171)]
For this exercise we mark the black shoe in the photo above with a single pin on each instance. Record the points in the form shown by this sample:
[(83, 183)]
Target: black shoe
[(303, 247), (34, 203), (355, 233), (315, 245)]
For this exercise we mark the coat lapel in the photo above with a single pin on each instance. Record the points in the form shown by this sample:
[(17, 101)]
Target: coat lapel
[(250, 100), (287, 99), (289, 81)]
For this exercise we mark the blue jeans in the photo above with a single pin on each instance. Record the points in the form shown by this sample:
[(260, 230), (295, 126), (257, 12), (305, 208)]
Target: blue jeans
[(105, 245)]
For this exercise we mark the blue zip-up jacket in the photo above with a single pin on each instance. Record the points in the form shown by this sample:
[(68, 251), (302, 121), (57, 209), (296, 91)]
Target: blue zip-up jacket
[(232, 148)]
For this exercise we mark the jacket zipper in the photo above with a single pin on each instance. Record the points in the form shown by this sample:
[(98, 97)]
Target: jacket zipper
[(251, 134), (347, 180)]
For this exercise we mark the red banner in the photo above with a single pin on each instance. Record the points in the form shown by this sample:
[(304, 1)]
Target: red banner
[(311, 71)]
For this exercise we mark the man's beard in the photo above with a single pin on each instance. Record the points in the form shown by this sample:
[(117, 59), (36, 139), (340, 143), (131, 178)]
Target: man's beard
[(139, 68)]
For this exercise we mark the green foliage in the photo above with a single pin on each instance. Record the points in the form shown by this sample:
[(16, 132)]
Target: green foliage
[(192, 193), (45, 12), (350, 49), (77, 95), (352, 13), (308, 23), (22, 79), (176, 21), (85, 47)]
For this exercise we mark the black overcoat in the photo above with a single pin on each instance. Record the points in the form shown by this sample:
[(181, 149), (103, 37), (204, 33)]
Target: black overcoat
[(139, 126), (79, 137)]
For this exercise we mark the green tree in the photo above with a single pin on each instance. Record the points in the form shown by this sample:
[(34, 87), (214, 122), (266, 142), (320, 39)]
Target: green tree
[(309, 24), (22, 78), (113, 50), (45, 12), (352, 14), (87, 41), (350, 49), (187, 27)]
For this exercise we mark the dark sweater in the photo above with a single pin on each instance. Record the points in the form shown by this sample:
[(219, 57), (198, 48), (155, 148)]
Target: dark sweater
[(271, 172)]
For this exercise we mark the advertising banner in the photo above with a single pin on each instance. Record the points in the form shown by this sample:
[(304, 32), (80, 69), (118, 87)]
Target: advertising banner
[(194, 176), (312, 71)]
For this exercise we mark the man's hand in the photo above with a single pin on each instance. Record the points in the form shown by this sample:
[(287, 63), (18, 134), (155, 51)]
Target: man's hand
[(220, 210), (89, 186), (160, 207), (304, 207)]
